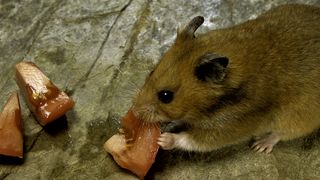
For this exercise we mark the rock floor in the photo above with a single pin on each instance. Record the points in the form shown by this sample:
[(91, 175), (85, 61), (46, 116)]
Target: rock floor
[(99, 52)]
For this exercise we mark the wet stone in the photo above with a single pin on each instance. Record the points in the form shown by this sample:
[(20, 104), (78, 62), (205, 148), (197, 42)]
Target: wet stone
[(100, 52)]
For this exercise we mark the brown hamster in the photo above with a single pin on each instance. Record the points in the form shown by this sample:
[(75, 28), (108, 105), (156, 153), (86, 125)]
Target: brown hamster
[(259, 78)]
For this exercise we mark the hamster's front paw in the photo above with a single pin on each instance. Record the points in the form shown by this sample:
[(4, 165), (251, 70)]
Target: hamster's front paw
[(266, 143), (167, 141)]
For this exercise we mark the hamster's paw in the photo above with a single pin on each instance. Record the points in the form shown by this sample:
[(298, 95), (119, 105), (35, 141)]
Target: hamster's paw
[(166, 141), (266, 143)]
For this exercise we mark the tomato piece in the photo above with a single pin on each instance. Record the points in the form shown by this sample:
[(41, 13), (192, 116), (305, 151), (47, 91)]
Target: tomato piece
[(43, 98), (11, 138), (135, 147)]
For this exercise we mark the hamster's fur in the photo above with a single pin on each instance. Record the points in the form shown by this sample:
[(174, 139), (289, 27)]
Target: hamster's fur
[(258, 78)]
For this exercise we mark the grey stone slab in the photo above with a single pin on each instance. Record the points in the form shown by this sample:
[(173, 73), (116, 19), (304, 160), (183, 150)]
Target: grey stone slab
[(20, 24), (100, 52)]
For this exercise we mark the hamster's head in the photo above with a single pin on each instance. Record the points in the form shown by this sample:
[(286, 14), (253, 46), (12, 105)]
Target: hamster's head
[(186, 81)]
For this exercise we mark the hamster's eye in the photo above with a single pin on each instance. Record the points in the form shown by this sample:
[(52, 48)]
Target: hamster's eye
[(165, 96)]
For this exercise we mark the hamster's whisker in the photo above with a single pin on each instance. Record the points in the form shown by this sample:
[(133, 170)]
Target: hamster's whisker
[(147, 113), (132, 89), (130, 82), (126, 94), (135, 87)]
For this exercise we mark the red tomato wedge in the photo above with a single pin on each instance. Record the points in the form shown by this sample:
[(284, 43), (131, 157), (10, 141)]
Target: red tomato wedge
[(44, 99), (11, 139), (136, 147)]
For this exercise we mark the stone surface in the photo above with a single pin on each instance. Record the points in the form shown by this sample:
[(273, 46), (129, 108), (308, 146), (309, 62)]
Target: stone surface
[(100, 52)]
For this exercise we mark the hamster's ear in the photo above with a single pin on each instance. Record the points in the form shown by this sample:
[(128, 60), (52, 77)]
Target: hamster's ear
[(189, 30), (212, 67)]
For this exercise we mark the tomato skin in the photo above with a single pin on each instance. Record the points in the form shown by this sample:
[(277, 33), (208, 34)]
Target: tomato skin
[(11, 137), (44, 99), (137, 147)]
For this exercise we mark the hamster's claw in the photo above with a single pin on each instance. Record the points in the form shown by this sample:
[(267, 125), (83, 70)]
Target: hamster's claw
[(261, 147), (129, 140), (166, 141), (266, 144), (128, 146)]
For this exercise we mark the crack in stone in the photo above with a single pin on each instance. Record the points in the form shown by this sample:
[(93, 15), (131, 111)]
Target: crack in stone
[(133, 39), (36, 33), (51, 10), (85, 77), (106, 39), (2, 177), (136, 30), (35, 140), (139, 24), (89, 17)]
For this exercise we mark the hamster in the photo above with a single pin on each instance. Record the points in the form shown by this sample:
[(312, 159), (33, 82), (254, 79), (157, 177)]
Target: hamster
[(256, 79)]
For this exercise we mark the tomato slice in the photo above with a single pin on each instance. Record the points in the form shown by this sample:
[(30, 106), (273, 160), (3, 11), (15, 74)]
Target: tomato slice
[(44, 99), (136, 147), (11, 128)]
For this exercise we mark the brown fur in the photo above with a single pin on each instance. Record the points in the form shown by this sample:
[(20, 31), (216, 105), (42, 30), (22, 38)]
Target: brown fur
[(272, 82)]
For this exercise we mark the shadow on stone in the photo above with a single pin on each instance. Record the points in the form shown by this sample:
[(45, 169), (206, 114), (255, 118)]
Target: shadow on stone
[(57, 126), (8, 160), (98, 132), (157, 166), (167, 159), (119, 168), (308, 141)]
